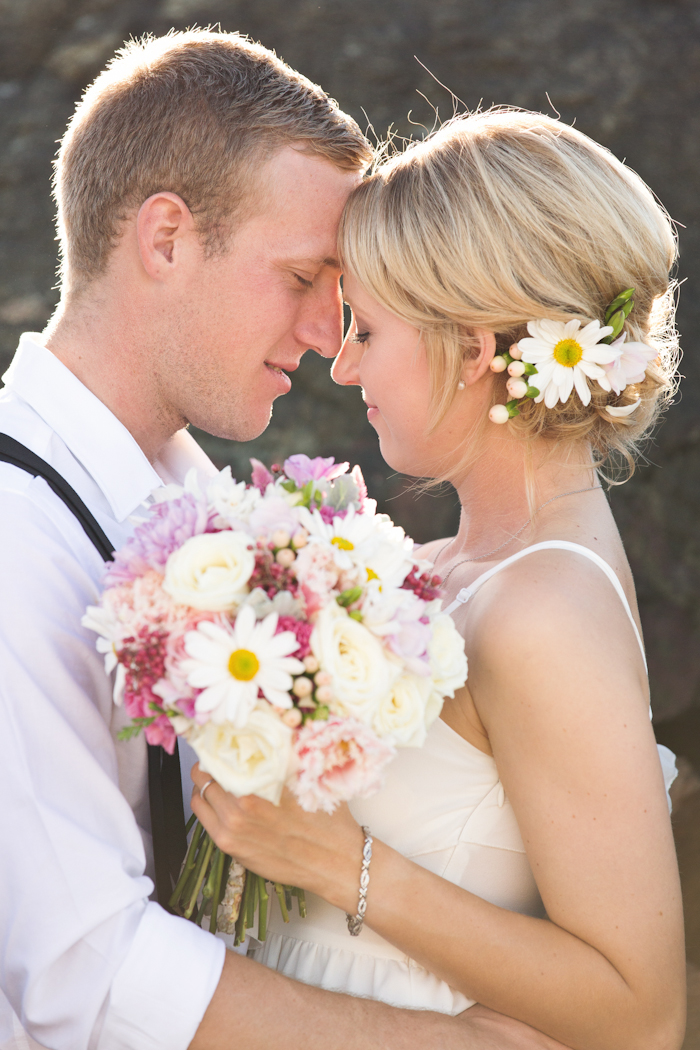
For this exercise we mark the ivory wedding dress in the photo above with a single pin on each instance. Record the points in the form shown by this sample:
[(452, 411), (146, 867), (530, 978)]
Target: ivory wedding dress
[(444, 807)]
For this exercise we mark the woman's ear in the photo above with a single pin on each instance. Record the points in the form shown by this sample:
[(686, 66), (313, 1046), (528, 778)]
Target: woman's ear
[(484, 344)]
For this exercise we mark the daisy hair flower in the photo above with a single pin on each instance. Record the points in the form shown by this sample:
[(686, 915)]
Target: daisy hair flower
[(232, 663), (567, 356)]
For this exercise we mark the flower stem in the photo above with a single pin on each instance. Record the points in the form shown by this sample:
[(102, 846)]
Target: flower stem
[(279, 890), (217, 889), (200, 872), (187, 867), (262, 913), (242, 911)]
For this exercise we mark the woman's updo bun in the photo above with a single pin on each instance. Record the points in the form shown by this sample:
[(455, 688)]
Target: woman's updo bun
[(504, 217)]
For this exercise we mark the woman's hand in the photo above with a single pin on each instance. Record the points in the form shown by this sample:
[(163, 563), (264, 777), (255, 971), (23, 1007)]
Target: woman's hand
[(315, 851)]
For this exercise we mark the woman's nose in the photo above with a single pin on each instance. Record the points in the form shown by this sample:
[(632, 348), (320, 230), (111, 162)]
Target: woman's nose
[(345, 370)]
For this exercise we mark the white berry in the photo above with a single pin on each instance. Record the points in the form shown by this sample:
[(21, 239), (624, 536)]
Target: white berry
[(517, 388), (498, 364), (499, 414), (516, 369), (515, 352)]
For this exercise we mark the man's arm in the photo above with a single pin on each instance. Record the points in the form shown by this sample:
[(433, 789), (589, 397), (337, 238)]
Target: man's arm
[(87, 960), (257, 1009)]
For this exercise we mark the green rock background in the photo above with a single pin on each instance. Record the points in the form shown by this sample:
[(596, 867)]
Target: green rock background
[(628, 72)]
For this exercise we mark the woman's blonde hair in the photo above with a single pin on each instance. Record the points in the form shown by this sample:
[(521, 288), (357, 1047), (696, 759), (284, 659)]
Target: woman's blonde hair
[(506, 216)]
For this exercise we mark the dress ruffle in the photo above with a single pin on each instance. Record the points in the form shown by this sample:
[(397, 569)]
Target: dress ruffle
[(404, 984)]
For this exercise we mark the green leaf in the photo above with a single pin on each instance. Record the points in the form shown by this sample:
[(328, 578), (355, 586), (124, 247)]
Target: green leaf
[(129, 732), (355, 614), (618, 302), (532, 391), (321, 713), (530, 370), (512, 407), (289, 485), (349, 596)]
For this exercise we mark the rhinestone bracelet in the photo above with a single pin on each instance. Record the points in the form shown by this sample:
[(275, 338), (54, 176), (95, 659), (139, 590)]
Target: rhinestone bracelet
[(355, 922)]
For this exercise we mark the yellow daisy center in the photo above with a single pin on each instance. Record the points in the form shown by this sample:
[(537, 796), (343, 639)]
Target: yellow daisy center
[(371, 575), (243, 665), (568, 352), (342, 544)]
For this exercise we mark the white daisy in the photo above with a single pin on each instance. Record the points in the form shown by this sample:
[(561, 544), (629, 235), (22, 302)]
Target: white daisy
[(566, 358), (231, 663), (367, 542)]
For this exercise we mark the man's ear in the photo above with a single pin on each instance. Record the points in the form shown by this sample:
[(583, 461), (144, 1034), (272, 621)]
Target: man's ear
[(162, 223), (477, 366)]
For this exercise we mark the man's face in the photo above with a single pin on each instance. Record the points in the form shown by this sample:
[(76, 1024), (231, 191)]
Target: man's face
[(237, 323)]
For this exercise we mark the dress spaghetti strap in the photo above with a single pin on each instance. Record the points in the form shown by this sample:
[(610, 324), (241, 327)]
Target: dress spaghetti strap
[(564, 545)]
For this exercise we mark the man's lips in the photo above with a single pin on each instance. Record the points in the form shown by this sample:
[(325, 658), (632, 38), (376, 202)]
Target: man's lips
[(282, 366)]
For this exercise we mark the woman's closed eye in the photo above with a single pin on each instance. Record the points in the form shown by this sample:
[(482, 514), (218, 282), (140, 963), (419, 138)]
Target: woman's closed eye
[(303, 281), (359, 337)]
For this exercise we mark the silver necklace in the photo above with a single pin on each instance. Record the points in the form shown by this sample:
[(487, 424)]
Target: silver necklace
[(515, 535)]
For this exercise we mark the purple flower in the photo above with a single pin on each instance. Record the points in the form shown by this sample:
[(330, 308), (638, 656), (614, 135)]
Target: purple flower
[(170, 523), (328, 513), (301, 469), (261, 476)]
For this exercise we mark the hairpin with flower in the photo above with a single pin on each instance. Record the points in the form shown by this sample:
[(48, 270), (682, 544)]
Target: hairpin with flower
[(558, 357)]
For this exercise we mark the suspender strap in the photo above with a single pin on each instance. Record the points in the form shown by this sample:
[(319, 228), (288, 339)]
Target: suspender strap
[(18, 455), (164, 778)]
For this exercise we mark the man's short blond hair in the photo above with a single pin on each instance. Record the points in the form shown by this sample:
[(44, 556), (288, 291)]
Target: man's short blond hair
[(193, 113)]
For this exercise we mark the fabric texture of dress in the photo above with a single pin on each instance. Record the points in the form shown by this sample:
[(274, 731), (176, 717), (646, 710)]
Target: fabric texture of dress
[(444, 807)]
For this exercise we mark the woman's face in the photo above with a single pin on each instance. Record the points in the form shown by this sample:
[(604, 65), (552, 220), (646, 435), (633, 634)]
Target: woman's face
[(386, 357)]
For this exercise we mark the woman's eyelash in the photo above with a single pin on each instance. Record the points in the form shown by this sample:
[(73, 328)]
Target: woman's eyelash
[(302, 280), (360, 337)]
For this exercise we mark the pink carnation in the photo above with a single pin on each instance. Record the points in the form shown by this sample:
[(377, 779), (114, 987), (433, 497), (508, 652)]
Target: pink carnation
[(318, 575), (337, 760), (169, 524)]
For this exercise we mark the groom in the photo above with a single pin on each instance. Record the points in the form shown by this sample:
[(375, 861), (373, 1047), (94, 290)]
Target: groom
[(199, 188)]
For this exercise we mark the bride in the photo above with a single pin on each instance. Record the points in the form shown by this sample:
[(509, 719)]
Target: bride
[(522, 859)]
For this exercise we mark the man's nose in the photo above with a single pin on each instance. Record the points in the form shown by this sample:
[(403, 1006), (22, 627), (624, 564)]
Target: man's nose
[(345, 370), (322, 324)]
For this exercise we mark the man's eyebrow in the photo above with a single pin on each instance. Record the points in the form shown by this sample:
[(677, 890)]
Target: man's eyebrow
[(318, 262)]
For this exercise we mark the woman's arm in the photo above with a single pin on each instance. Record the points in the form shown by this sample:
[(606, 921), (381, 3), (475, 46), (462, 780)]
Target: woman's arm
[(561, 691)]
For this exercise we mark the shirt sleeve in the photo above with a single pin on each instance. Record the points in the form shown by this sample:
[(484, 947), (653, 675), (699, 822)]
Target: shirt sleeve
[(87, 961)]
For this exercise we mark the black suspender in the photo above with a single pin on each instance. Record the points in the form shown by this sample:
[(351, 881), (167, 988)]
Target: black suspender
[(164, 783)]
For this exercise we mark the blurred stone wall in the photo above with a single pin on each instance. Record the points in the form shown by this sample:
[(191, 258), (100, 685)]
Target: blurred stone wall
[(628, 72)]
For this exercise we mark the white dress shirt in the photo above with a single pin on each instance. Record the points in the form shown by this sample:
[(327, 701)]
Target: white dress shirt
[(87, 961)]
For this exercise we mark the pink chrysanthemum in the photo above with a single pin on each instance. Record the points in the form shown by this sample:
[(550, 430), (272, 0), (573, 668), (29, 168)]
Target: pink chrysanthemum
[(337, 760), (169, 525)]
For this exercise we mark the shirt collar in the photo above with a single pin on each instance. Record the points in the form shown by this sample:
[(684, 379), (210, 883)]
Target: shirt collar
[(93, 434)]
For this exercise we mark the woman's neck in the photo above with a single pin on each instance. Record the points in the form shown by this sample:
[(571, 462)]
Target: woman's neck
[(514, 491)]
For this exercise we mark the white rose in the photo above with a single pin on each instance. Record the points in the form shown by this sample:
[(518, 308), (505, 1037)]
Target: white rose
[(448, 660), (210, 571), (361, 672), (433, 707), (253, 760), (401, 715)]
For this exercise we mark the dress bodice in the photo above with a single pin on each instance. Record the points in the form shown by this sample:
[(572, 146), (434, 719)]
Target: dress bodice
[(444, 807)]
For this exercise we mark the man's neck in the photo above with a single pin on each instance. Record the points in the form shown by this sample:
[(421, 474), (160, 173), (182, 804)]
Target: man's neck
[(101, 347)]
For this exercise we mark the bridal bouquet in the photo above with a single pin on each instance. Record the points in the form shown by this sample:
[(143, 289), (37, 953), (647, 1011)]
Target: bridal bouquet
[(288, 632)]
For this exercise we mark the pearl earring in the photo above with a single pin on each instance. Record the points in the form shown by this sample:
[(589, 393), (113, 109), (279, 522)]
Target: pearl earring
[(461, 385)]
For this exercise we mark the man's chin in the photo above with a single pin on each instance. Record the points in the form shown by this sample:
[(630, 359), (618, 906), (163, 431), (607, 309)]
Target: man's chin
[(234, 429)]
